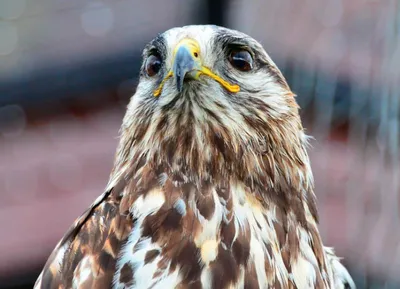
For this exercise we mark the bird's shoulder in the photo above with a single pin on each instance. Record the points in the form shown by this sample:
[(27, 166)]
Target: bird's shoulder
[(88, 251)]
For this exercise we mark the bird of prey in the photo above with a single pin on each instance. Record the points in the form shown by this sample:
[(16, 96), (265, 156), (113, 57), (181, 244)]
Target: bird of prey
[(211, 185)]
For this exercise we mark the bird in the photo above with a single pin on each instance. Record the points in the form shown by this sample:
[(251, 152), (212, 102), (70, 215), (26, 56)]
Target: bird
[(211, 185)]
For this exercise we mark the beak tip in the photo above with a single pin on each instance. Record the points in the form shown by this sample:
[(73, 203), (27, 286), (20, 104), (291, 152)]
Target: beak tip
[(183, 64)]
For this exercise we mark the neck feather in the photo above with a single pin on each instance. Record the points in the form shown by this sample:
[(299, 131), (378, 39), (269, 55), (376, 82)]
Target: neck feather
[(268, 158)]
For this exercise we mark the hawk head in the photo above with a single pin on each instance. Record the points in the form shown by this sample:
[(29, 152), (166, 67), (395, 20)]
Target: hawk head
[(211, 176), (211, 105)]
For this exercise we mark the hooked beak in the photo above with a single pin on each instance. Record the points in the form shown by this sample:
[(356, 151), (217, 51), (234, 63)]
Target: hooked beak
[(187, 64)]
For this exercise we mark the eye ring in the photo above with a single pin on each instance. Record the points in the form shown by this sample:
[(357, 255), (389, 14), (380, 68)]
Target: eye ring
[(241, 59), (153, 64)]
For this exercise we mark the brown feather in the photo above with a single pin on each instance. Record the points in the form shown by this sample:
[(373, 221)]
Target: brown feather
[(210, 188)]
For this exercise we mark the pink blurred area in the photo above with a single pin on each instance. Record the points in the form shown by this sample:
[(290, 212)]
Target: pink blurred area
[(48, 176)]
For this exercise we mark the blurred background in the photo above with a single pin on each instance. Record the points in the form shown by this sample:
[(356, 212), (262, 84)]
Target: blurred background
[(69, 67)]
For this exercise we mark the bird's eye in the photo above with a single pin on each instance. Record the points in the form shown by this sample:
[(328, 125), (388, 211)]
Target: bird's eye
[(153, 64), (241, 60)]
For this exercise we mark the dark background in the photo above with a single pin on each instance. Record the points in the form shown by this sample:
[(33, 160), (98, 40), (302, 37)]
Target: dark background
[(69, 67)]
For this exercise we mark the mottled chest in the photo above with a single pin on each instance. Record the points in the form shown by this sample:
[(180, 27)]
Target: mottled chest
[(207, 237)]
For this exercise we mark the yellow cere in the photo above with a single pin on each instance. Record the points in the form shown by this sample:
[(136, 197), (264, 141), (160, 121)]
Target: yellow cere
[(192, 44)]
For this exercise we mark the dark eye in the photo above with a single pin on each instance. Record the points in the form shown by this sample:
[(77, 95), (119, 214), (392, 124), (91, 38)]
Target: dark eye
[(153, 64), (241, 60)]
